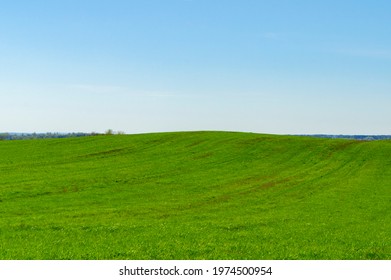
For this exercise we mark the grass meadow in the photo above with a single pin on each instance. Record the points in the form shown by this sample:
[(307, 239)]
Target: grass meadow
[(195, 195)]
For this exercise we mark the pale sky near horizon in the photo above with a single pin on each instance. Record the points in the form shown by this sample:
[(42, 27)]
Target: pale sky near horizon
[(283, 66)]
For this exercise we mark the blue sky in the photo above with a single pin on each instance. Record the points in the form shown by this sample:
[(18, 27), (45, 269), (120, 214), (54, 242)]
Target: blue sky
[(284, 67)]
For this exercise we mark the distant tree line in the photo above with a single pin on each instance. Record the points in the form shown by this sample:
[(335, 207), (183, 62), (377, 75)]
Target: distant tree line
[(112, 132), (24, 136), (355, 137)]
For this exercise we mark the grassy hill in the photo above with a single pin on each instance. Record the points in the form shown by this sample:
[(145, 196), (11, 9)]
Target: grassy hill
[(195, 195)]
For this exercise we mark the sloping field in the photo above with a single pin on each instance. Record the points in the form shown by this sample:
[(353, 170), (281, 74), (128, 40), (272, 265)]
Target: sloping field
[(195, 195)]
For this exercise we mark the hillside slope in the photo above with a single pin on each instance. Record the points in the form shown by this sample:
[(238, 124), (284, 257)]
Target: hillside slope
[(195, 195)]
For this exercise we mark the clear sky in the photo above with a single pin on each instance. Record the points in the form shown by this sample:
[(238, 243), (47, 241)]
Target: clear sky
[(281, 66)]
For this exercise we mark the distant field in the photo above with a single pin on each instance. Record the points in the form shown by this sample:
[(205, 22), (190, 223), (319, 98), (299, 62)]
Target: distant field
[(195, 195)]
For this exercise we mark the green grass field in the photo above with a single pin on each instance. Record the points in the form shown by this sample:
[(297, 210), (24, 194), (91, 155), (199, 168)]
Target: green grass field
[(195, 195)]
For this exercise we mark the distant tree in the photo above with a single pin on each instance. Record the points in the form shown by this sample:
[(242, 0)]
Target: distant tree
[(4, 136), (120, 132), (109, 132)]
